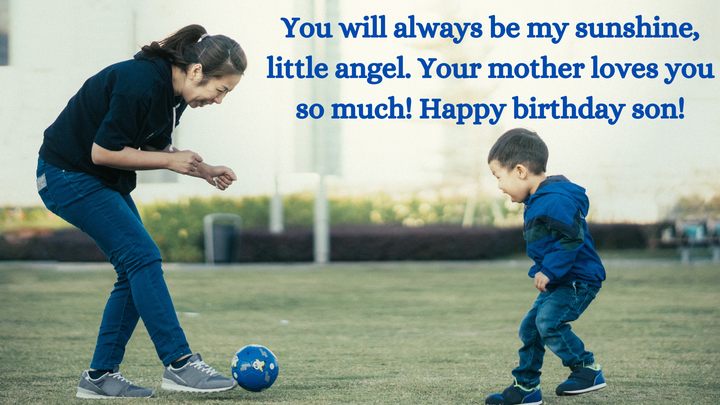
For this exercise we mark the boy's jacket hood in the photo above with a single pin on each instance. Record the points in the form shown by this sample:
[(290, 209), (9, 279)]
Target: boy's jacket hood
[(561, 185)]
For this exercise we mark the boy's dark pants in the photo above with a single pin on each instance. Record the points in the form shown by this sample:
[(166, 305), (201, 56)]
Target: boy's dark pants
[(547, 324)]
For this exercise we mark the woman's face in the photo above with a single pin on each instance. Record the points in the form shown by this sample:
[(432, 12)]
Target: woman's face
[(211, 92)]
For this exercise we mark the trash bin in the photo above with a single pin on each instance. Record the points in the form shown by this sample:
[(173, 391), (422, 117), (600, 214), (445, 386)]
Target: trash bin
[(222, 233)]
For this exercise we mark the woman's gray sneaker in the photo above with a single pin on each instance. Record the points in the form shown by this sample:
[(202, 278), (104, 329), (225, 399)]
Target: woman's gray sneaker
[(110, 385), (196, 376)]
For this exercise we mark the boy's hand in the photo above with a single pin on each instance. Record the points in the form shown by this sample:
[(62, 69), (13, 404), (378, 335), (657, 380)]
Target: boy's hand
[(541, 281)]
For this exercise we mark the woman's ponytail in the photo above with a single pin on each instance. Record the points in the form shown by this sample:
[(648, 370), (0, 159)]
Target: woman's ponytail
[(218, 54)]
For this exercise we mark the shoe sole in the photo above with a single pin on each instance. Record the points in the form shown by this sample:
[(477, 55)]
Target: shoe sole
[(530, 403), (171, 385), (586, 390), (87, 394)]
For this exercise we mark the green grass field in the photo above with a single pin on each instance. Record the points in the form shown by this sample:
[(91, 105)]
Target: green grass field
[(400, 333)]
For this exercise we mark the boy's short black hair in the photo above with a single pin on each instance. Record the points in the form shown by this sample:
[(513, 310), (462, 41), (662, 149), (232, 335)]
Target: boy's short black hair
[(520, 146)]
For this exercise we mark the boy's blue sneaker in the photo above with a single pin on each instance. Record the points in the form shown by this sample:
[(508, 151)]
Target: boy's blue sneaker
[(582, 380), (516, 394)]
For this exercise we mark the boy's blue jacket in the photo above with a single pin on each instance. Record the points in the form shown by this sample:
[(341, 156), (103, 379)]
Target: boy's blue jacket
[(557, 235)]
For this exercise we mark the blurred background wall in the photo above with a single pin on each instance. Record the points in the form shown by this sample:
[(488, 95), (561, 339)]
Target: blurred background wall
[(633, 170)]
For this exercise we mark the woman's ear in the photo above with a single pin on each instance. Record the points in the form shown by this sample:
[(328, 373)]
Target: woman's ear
[(195, 72)]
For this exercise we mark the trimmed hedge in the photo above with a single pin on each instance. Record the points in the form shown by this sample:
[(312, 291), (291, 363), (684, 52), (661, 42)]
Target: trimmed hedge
[(378, 243), (620, 236), (358, 243), (426, 243), (63, 245), (177, 227)]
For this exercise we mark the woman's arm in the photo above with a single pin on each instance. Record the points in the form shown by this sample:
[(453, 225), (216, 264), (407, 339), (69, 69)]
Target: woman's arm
[(183, 162)]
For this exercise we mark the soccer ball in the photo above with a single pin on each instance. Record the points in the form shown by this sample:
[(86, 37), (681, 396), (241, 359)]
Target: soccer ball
[(255, 368)]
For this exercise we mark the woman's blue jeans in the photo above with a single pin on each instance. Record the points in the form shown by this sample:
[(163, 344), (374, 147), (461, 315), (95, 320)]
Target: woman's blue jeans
[(113, 221), (547, 324)]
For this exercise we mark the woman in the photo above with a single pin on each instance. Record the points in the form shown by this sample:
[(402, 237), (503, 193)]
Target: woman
[(120, 121)]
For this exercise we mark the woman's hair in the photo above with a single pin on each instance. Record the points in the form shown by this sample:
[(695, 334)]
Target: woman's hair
[(218, 54)]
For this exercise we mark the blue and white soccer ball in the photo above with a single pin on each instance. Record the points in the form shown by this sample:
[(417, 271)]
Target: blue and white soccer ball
[(255, 368)]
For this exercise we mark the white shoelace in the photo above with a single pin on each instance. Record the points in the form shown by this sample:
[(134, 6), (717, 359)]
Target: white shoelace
[(121, 378), (202, 366)]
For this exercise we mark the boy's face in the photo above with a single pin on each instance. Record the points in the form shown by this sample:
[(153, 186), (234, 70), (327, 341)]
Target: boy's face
[(512, 182)]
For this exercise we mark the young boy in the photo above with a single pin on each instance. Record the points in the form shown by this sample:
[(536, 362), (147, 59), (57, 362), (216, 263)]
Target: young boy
[(567, 270)]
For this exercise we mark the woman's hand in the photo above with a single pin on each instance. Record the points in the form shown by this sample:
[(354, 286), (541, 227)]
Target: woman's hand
[(180, 161), (190, 163), (184, 161), (219, 176)]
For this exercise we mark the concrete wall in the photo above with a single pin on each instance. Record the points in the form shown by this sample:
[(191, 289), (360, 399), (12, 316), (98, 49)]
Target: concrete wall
[(56, 46), (633, 170)]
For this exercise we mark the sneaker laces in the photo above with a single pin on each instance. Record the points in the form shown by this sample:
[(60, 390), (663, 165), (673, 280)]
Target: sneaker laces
[(517, 384), (121, 378), (203, 367)]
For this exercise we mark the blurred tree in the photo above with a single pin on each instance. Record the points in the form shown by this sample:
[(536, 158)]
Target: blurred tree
[(697, 206), (464, 146)]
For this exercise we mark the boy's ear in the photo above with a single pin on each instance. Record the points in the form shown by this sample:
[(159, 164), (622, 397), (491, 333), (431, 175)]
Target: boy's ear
[(522, 171)]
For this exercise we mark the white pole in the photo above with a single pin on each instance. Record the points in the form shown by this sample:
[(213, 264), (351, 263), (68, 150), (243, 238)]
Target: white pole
[(321, 224), (276, 210)]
